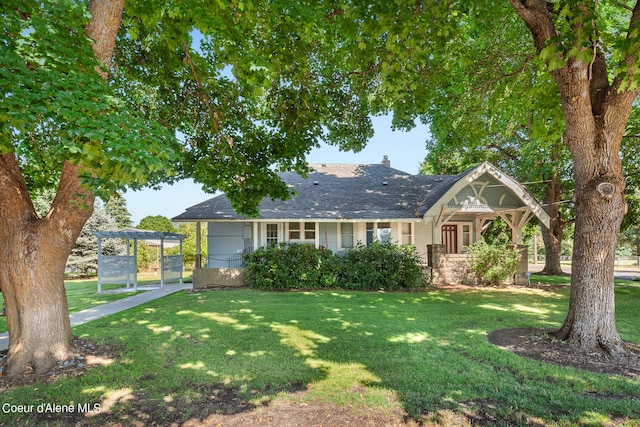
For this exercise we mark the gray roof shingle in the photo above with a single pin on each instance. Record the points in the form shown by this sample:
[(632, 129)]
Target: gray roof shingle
[(340, 191)]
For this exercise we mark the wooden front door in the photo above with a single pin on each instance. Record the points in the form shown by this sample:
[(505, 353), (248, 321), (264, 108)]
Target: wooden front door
[(450, 238)]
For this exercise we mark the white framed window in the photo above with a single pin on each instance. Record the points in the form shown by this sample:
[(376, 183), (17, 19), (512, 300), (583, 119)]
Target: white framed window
[(407, 233), (346, 235), (272, 234), (378, 231), (466, 236), (302, 232)]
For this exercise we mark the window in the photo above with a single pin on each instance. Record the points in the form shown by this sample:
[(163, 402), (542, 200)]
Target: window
[(406, 233), (294, 231), (309, 231), (384, 232), (466, 236), (302, 232), (272, 234), (378, 231), (346, 234)]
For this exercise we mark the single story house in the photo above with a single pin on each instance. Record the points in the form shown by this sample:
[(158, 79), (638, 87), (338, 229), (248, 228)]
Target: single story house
[(340, 205)]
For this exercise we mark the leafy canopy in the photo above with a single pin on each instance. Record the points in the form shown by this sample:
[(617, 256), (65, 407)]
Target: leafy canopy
[(55, 107)]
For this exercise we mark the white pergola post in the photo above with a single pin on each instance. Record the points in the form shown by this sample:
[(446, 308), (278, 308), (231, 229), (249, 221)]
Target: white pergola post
[(99, 257), (162, 262), (135, 263), (181, 258), (128, 265)]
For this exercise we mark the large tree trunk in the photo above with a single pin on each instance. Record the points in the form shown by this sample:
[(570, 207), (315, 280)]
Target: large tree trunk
[(552, 236), (33, 259), (596, 112), (35, 250)]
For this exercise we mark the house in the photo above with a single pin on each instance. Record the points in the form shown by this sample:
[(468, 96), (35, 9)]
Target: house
[(339, 205)]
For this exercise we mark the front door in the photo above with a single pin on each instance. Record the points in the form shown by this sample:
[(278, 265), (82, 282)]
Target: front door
[(450, 238)]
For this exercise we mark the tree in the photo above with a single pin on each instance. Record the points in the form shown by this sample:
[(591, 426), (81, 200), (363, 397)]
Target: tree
[(61, 124), (590, 50), (116, 208), (592, 59), (157, 223), (189, 243), (84, 255), (71, 122), (477, 115)]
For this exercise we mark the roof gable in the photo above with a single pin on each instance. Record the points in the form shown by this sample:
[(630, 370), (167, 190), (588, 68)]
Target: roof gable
[(483, 188)]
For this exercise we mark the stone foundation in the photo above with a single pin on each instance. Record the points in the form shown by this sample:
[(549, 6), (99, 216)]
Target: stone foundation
[(208, 278), (451, 269)]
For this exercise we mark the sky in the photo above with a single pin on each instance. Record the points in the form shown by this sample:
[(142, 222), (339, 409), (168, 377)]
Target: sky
[(406, 150)]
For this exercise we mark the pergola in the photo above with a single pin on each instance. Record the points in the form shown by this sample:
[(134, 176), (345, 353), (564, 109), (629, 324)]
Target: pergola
[(123, 268)]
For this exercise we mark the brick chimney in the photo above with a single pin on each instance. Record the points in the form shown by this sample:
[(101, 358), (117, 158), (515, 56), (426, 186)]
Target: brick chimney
[(385, 161)]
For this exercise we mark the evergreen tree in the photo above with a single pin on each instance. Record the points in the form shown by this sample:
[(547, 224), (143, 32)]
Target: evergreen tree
[(84, 256), (116, 208)]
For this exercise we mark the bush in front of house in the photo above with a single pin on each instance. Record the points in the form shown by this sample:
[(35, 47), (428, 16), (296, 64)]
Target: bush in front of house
[(492, 264), (292, 266), (381, 266)]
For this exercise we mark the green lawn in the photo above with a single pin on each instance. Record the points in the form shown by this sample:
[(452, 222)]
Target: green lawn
[(83, 294), (425, 353)]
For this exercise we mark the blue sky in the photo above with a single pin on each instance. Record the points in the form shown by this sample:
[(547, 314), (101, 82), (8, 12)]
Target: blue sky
[(406, 150)]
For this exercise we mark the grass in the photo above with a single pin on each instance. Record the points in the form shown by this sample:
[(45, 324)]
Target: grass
[(426, 353), (83, 294)]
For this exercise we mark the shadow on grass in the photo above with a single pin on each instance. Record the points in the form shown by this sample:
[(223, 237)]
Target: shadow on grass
[(188, 355)]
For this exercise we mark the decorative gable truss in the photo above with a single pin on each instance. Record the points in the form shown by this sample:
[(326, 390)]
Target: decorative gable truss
[(482, 194)]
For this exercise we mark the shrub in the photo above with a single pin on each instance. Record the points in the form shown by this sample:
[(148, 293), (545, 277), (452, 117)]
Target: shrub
[(292, 266), (381, 266), (492, 264)]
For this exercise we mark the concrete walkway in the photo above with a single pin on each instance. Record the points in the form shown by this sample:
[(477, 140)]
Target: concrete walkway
[(117, 306)]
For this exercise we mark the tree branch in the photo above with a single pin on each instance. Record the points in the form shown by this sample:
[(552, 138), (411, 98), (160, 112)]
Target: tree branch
[(335, 13), (536, 16), (13, 189), (505, 152)]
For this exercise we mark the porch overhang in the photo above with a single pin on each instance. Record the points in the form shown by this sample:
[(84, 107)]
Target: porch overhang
[(485, 193)]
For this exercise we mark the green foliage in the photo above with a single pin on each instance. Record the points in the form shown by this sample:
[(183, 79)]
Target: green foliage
[(382, 266), (379, 266), (189, 243), (292, 266), (116, 207), (56, 107), (157, 223), (492, 264), (148, 257)]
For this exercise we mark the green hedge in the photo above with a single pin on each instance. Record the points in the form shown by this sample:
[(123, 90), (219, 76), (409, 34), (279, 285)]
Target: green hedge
[(379, 266), (292, 266)]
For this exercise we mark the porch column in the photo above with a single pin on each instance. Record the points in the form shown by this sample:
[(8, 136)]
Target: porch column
[(516, 229), (523, 264), (436, 259), (198, 249), (437, 233), (255, 236)]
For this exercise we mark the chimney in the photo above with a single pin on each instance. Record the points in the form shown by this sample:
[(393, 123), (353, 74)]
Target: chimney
[(386, 162)]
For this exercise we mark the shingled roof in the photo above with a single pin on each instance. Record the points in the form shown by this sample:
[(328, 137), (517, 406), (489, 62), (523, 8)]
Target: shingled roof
[(339, 191)]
